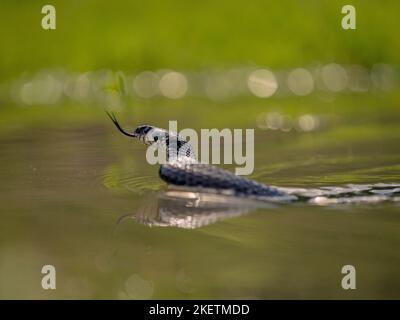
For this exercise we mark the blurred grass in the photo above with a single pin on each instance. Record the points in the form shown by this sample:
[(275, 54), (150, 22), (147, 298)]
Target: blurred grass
[(137, 35), (349, 109), (132, 36)]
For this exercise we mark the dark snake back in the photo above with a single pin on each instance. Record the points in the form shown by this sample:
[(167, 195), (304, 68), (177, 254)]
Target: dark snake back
[(207, 176)]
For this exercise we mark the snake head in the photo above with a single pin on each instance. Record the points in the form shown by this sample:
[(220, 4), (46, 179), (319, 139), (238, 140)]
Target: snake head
[(148, 134), (145, 133), (173, 144)]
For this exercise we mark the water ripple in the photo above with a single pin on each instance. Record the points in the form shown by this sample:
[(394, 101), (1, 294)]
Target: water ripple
[(120, 179)]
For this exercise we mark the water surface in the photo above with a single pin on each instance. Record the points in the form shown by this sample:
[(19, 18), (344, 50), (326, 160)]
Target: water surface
[(71, 196)]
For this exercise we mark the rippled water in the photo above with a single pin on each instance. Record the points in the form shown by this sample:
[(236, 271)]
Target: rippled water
[(192, 208), (86, 201)]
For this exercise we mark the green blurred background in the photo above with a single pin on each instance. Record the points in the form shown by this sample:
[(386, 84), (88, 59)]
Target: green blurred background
[(134, 36), (68, 175)]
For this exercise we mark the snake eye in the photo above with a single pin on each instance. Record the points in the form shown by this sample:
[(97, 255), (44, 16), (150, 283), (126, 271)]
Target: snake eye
[(143, 130)]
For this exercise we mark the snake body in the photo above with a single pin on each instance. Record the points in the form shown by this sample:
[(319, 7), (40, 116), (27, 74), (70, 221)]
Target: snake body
[(210, 177), (183, 169)]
